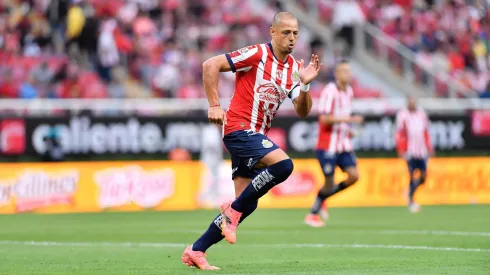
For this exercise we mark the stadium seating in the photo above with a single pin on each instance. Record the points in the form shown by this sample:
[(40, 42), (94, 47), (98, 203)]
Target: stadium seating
[(446, 36), (146, 36)]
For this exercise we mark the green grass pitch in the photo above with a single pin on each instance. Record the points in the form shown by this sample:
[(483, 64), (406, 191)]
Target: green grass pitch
[(438, 240)]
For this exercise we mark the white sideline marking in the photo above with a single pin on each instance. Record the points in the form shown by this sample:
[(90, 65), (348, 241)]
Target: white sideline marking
[(181, 245), (379, 232), (436, 232)]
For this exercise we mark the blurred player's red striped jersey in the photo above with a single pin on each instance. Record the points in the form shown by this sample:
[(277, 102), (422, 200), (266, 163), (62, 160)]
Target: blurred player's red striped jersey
[(412, 135), (262, 83), (335, 138)]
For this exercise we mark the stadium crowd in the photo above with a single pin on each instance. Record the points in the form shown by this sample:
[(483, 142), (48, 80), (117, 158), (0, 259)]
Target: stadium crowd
[(448, 37), (127, 48)]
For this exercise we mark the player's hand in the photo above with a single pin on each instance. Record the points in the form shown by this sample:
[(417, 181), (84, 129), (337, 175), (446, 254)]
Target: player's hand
[(306, 75), (357, 119), (217, 115)]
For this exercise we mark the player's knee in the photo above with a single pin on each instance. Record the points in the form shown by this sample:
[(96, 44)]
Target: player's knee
[(353, 177), (284, 169), (422, 179)]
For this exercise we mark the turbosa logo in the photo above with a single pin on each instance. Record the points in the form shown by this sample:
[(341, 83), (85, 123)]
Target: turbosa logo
[(33, 189), (131, 184), (268, 92), (298, 184)]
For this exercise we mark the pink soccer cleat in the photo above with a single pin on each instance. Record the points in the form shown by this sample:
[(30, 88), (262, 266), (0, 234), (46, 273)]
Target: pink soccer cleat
[(314, 220), (324, 211), (229, 222), (197, 259)]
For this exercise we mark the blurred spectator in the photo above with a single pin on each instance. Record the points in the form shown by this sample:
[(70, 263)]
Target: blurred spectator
[(27, 89), (75, 21), (347, 14), (480, 53), (116, 88), (8, 89), (107, 50), (440, 62), (486, 92), (456, 59), (42, 75)]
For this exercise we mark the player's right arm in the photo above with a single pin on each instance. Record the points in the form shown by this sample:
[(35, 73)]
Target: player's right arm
[(210, 76), (241, 60), (326, 107), (401, 141)]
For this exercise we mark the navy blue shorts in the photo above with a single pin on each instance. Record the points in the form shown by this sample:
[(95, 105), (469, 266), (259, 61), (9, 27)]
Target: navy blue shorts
[(329, 161), (246, 149), (417, 163)]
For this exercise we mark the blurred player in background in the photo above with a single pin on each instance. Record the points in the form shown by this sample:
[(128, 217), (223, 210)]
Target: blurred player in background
[(334, 146), (266, 74), (414, 145), (211, 157)]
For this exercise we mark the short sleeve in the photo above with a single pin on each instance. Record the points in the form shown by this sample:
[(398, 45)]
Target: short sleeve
[(399, 120), (326, 104), (245, 58)]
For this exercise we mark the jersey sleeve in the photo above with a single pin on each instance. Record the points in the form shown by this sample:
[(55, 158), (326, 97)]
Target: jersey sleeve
[(326, 104), (401, 141), (245, 58), (427, 139), (399, 121), (296, 90)]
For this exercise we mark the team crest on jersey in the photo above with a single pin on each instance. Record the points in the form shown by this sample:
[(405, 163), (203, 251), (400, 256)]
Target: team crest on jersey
[(296, 76), (279, 74), (266, 143)]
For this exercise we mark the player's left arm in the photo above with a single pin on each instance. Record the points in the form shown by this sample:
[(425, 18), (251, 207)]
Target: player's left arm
[(428, 141), (401, 135), (301, 97)]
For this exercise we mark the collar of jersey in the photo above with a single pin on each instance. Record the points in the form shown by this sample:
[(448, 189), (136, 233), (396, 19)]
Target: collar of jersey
[(269, 44)]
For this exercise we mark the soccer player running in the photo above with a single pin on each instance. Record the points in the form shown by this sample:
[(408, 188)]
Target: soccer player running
[(266, 74), (413, 143), (334, 146)]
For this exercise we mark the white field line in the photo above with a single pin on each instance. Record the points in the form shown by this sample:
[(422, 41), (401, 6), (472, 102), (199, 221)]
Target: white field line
[(280, 246), (349, 231)]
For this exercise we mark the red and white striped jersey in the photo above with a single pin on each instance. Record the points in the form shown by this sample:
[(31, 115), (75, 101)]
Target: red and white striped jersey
[(262, 83), (413, 138), (335, 138)]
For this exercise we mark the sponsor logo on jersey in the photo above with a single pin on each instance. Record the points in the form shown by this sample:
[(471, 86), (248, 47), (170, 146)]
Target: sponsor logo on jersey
[(268, 92)]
